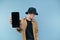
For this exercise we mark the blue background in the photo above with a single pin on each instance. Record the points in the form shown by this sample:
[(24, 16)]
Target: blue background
[(48, 18)]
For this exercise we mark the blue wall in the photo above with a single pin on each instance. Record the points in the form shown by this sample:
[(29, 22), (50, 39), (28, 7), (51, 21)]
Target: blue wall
[(48, 18)]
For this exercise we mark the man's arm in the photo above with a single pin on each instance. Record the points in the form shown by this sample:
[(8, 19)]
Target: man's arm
[(19, 29), (36, 28)]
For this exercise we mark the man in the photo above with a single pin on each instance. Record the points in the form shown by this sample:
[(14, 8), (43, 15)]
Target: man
[(28, 26)]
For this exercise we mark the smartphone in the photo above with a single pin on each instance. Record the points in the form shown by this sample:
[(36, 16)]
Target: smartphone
[(15, 19)]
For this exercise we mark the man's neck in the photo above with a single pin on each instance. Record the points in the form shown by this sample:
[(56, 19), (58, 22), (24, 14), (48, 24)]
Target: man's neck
[(29, 19)]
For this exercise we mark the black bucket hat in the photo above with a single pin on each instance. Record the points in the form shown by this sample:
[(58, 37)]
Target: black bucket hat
[(32, 10)]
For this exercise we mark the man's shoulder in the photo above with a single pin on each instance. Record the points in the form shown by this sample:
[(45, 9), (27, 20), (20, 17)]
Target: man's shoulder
[(22, 18), (34, 20)]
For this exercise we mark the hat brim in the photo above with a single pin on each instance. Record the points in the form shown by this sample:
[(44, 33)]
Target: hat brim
[(30, 13)]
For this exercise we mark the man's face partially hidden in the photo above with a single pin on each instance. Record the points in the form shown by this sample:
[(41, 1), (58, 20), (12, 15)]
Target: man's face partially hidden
[(32, 15)]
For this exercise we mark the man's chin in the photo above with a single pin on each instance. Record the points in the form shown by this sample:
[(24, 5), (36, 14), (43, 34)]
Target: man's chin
[(31, 18)]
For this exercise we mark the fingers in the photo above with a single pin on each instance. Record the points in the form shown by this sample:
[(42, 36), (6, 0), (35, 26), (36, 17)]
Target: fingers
[(11, 19)]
